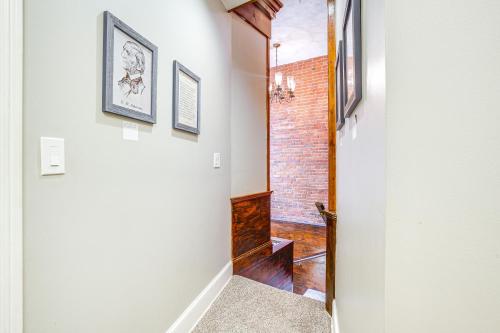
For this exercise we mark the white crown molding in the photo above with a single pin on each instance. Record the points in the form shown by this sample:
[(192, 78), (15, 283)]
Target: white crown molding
[(11, 234), (197, 309)]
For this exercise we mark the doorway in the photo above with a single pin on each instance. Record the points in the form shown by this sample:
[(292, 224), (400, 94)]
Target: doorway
[(300, 145)]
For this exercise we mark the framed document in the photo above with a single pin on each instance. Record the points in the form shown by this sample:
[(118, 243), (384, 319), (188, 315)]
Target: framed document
[(186, 99), (129, 72)]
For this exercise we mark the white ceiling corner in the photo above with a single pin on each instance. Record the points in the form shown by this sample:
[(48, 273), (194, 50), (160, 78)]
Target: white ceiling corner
[(301, 28), (230, 4)]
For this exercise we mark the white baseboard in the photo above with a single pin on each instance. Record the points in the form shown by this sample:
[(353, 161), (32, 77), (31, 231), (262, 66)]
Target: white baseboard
[(197, 309), (335, 319)]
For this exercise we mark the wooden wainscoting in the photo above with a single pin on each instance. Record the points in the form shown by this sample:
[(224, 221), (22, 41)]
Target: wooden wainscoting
[(255, 255), (251, 227)]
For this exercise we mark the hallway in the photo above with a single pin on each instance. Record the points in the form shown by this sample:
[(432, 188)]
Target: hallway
[(255, 166)]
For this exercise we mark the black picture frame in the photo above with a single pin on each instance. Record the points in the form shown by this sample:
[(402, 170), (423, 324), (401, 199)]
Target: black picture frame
[(351, 36), (111, 23), (339, 86), (176, 123)]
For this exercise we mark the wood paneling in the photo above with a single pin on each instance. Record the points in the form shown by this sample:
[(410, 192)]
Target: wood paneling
[(271, 264), (259, 14), (331, 242), (255, 255), (251, 227)]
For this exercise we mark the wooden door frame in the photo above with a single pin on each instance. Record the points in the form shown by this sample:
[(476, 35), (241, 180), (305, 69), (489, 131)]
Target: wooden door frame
[(11, 232), (331, 216), (332, 123)]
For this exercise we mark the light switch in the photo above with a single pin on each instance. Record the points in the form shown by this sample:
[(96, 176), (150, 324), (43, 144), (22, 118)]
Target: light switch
[(216, 160), (52, 156), (55, 160)]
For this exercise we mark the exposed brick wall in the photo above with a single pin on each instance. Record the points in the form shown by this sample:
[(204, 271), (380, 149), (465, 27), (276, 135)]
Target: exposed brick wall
[(299, 144)]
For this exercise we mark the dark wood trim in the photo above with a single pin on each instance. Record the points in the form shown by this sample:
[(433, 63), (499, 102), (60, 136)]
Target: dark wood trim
[(271, 7), (258, 14), (255, 17), (331, 217), (332, 125), (268, 115), (250, 197), (252, 251), (331, 242)]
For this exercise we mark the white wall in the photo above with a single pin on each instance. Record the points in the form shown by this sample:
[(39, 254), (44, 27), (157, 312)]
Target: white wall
[(248, 110), (443, 166), (418, 188), (130, 235), (360, 274)]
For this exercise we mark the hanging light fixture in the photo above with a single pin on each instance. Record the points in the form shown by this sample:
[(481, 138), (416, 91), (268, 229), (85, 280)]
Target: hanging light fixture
[(277, 92)]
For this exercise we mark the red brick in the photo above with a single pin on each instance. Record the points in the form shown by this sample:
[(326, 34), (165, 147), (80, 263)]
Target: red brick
[(299, 144)]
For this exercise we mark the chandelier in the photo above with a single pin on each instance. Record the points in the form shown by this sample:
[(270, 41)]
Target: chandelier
[(277, 92)]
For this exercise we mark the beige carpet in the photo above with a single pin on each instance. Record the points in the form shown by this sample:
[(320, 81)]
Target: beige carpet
[(248, 306)]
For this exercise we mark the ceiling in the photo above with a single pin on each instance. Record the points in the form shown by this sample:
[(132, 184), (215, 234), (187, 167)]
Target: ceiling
[(301, 28), (230, 4)]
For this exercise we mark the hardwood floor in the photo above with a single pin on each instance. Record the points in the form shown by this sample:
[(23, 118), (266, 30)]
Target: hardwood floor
[(308, 240)]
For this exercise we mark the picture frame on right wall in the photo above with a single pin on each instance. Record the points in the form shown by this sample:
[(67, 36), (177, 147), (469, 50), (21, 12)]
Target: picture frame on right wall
[(339, 86), (353, 76)]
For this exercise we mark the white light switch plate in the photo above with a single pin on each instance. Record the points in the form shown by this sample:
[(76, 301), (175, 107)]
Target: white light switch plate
[(52, 156), (216, 160)]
